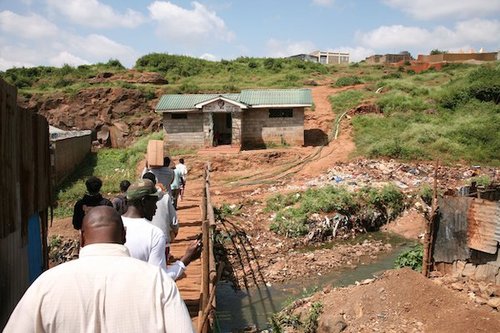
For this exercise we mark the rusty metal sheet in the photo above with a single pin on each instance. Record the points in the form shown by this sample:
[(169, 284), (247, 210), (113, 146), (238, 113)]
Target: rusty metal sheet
[(483, 221), (451, 230)]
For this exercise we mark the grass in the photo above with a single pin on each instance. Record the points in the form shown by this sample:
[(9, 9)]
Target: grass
[(369, 207), (111, 165), (452, 115)]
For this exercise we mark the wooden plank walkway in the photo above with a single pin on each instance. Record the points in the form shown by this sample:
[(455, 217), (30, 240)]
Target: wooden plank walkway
[(189, 214)]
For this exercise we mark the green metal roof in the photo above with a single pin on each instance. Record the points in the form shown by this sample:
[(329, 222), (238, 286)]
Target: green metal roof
[(252, 98), (276, 97), (186, 102)]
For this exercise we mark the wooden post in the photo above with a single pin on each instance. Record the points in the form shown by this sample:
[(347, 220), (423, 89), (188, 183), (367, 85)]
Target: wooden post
[(429, 228)]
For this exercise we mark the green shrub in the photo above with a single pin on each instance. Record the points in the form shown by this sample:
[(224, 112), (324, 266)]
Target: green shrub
[(348, 81), (411, 258)]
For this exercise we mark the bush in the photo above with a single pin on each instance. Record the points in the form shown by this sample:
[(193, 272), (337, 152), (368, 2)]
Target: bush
[(348, 81), (412, 258)]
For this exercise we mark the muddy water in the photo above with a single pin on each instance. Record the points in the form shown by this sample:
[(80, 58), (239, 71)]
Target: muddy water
[(239, 309)]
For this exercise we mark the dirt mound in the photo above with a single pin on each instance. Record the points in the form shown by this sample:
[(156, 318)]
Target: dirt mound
[(126, 112), (131, 76), (400, 301)]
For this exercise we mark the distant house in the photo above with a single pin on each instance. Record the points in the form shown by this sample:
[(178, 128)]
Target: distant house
[(252, 118), (324, 57), (389, 58)]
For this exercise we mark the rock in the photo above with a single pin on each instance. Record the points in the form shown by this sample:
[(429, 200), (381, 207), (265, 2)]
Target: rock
[(335, 324), (469, 270), (494, 302), (486, 272), (367, 281), (479, 300), (457, 286)]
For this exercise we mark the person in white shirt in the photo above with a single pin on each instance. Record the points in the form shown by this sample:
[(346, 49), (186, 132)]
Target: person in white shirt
[(146, 241), (164, 174), (183, 170), (105, 290), (165, 216)]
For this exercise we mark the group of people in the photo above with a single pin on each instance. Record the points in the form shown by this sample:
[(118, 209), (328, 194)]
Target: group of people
[(123, 280)]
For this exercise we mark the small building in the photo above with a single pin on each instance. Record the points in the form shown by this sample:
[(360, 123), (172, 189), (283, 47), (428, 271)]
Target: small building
[(304, 57), (324, 57), (252, 118), (67, 150), (389, 58), (329, 58)]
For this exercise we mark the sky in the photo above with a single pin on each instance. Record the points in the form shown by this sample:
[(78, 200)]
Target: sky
[(75, 32)]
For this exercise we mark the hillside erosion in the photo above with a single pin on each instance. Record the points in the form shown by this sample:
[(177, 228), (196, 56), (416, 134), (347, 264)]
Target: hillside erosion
[(126, 113)]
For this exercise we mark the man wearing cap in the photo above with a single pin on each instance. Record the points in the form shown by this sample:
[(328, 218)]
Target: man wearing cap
[(105, 290), (146, 241)]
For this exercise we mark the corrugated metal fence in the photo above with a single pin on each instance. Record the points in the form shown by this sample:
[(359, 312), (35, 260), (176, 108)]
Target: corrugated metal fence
[(25, 188)]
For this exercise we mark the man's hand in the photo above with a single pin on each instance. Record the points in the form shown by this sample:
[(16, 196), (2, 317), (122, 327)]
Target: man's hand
[(193, 252)]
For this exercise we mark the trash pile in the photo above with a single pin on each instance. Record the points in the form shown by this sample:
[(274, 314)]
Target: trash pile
[(62, 250)]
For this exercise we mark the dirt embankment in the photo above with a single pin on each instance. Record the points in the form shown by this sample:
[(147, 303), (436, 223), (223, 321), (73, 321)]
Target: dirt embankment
[(126, 113), (399, 301)]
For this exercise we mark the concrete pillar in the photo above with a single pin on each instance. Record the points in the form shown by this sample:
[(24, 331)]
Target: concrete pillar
[(236, 128), (208, 126)]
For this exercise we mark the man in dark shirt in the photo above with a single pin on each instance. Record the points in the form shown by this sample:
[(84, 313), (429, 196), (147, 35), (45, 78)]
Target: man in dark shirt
[(91, 199)]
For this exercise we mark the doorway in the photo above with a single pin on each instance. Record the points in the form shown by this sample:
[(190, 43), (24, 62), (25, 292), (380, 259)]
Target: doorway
[(222, 128)]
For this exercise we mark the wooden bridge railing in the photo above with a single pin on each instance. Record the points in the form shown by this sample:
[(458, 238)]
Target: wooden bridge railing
[(209, 275)]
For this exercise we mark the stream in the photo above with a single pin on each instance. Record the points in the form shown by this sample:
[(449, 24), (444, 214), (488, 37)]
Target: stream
[(239, 309)]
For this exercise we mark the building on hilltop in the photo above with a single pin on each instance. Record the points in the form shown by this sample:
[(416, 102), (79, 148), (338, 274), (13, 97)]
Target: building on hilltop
[(324, 57), (389, 58), (252, 118)]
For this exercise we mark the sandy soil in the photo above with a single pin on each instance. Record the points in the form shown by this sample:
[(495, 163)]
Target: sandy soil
[(400, 301)]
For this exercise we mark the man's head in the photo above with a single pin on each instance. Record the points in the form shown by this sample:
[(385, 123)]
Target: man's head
[(143, 195), (93, 185), (124, 184), (166, 161), (102, 224), (181, 160), (151, 176)]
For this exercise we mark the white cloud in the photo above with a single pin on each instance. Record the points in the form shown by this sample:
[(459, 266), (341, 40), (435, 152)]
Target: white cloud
[(53, 46), (31, 26), (465, 33), (208, 56), (65, 57), (6, 64), (395, 36), (188, 26), (99, 46), (325, 3), (95, 14), (431, 9), (279, 49)]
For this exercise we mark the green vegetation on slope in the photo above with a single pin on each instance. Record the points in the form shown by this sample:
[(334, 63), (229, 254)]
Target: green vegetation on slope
[(429, 116), (368, 208)]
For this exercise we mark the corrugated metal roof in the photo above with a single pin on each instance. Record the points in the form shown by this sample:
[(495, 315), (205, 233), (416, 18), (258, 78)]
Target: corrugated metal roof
[(254, 98), (483, 222), (188, 101), (451, 230), (276, 97)]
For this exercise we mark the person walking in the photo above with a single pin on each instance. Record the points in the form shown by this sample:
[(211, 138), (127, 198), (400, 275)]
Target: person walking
[(182, 167), (120, 201), (92, 198), (165, 216), (176, 186), (146, 241), (105, 290)]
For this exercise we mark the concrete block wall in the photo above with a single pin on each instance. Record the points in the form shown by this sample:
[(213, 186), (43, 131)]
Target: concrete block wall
[(184, 132), (68, 153), (258, 129)]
